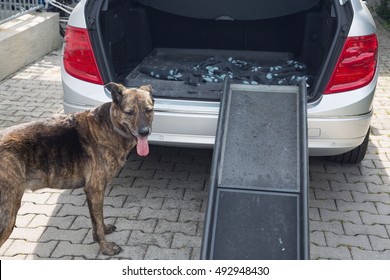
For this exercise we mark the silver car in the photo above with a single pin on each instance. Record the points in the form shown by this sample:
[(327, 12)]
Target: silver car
[(184, 49)]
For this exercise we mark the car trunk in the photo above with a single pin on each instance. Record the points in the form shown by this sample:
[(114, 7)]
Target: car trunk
[(185, 49)]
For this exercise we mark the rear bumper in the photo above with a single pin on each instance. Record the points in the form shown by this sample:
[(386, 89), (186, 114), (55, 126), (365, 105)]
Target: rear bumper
[(327, 136), (193, 123)]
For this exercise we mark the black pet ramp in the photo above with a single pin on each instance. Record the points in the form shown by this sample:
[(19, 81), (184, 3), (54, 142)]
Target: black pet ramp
[(258, 200)]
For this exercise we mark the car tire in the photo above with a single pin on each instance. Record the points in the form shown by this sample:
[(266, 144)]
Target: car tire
[(354, 156)]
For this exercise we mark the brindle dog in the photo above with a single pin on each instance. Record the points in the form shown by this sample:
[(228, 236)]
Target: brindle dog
[(84, 149)]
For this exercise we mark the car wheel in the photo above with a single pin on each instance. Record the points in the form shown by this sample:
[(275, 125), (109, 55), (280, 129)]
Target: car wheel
[(354, 156)]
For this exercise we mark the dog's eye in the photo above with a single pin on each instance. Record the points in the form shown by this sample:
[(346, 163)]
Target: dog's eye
[(148, 110), (130, 113)]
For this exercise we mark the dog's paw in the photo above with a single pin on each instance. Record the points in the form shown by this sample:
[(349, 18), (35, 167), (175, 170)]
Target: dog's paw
[(110, 249), (109, 229)]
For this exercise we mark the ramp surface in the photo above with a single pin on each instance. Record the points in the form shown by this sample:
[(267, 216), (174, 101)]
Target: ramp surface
[(257, 206)]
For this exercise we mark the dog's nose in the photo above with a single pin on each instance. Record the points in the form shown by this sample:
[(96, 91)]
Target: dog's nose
[(143, 131)]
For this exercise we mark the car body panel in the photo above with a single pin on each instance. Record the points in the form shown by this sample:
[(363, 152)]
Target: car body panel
[(362, 23)]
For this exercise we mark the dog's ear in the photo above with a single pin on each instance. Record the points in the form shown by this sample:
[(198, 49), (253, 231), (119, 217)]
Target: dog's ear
[(116, 92), (149, 89)]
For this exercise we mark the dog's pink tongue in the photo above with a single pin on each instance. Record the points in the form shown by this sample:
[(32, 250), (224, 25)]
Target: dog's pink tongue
[(142, 146)]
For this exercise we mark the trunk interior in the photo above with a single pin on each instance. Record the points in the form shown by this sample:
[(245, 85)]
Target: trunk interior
[(185, 51)]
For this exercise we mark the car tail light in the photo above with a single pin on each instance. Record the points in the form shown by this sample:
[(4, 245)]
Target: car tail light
[(79, 60), (356, 65)]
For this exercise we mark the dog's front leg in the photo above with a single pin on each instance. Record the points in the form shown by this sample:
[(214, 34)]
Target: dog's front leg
[(95, 197)]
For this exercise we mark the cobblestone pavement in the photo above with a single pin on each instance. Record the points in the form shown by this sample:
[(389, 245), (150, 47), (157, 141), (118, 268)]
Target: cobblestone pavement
[(158, 203)]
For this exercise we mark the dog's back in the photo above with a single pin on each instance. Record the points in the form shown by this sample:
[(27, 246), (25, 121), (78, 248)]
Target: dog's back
[(42, 152)]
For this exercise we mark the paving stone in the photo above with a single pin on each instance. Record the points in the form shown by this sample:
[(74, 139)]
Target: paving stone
[(314, 214), (116, 202), (323, 185), (108, 211), (72, 210), (383, 209), (58, 222), (176, 158), (375, 179), (334, 226), (5, 246), (17, 257), (338, 177), (82, 222), (381, 197), (188, 216), (169, 215), (148, 174), (195, 254), (333, 169), (129, 213), (43, 250), (188, 228), (336, 240), (318, 238), (181, 240), (59, 198), (373, 171), (199, 176), (386, 178), (138, 192), (37, 198), (156, 253), (156, 192), (65, 248), (350, 216), (372, 219), (24, 220), (153, 165), (360, 254), (191, 194), (177, 184), (126, 182), (160, 174), (192, 205), (341, 195), (146, 226), (373, 188), (29, 234), (345, 206), (73, 236), (162, 240), (376, 230), (380, 244), (193, 168), (157, 183), (323, 204), (45, 209), (357, 186), (339, 253), (153, 203)]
